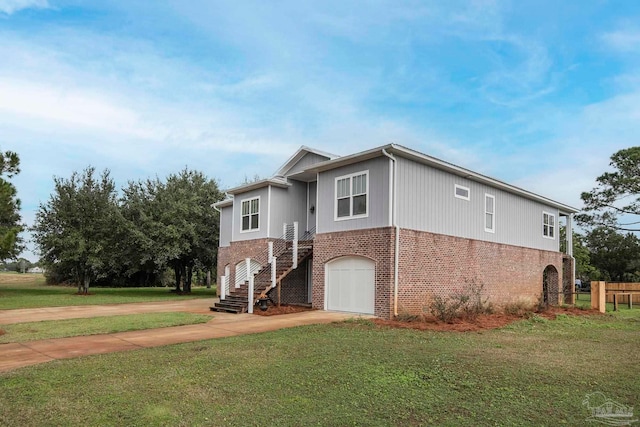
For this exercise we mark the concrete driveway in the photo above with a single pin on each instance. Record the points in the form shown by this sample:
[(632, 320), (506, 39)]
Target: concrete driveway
[(198, 305), (17, 355)]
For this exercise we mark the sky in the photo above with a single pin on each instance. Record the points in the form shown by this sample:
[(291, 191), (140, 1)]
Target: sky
[(533, 92)]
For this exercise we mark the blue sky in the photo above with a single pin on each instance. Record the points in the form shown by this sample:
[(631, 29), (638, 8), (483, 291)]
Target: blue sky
[(537, 93)]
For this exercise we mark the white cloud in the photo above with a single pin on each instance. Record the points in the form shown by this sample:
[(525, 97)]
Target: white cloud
[(11, 6), (627, 40)]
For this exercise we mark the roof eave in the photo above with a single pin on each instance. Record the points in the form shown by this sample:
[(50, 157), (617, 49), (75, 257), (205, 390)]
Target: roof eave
[(474, 176), (258, 184)]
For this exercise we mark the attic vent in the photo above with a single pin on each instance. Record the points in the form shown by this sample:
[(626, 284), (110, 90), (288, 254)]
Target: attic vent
[(462, 192)]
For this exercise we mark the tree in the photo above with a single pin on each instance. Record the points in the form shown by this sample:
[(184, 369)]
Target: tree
[(78, 231), (174, 223), (615, 255), (615, 201), (585, 271), (10, 226)]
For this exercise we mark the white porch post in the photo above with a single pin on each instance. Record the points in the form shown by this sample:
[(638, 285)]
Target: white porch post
[(223, 284), (569, 233), (270, 252), (250, 295), (295, 245), (273, 272), (284, 231)]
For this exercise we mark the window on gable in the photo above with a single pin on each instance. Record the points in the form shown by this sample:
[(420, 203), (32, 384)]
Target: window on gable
[(489, 213), (251, 214), (461, 192), (548, 225), (352, 195)]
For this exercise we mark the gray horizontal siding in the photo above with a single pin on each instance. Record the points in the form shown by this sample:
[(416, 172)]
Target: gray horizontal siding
[(378, 193), (237, 220), (306, 161), (426, 202), (226, 230), (288, 205)]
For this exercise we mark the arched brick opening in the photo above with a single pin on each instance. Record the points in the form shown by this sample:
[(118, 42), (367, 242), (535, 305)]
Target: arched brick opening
[(550, 285)]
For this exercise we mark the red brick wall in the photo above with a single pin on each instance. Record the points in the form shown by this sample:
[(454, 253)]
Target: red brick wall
[(435, 264), (376, 244), (239, 251)]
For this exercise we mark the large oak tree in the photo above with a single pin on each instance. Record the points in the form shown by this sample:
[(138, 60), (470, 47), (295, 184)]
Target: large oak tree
[(78, 230)]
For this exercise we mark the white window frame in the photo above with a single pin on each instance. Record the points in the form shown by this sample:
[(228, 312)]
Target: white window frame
[(351, 196), (462, 187), (249, 200), (554, 226), (493, 214)]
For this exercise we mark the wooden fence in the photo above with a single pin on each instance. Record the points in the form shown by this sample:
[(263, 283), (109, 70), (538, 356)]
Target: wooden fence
[(612, 288)]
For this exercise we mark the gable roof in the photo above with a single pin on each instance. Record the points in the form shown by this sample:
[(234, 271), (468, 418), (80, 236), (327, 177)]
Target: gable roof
[(298, 155), (434, 162)]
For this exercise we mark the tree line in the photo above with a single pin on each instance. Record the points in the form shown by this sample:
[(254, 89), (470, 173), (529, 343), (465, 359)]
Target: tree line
[(89, 233)]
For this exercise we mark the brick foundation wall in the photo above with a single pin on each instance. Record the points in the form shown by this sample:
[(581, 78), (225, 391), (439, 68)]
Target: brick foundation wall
[(435, 264), (376, 244), (239, 251)]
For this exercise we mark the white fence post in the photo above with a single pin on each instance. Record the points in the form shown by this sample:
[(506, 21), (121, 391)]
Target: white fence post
[(250, 295), (222, 291), (284, 231), (270, 252), (273, 272), (295, 245)]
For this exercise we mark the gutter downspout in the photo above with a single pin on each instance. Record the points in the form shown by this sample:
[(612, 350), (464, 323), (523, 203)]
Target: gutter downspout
[(396, 261)]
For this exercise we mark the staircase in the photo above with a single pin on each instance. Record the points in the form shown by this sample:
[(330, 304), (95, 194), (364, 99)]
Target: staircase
[(237, 301)]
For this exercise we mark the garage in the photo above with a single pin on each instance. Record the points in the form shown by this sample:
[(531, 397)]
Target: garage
[(350, 285)]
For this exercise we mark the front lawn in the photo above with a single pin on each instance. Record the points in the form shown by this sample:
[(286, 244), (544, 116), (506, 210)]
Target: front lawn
[(535, 372), (30, 331), (30, 291)]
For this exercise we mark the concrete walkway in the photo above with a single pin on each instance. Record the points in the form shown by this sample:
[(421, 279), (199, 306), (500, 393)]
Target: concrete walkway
[(197, 305), (17, 355)]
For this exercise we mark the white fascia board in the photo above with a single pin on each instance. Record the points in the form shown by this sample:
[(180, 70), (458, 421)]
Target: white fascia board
[(299, 155), (223, 203), (259, 184)]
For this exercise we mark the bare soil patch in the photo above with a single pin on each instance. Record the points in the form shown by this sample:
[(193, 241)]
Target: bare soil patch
[(482, 322), (283, 309)]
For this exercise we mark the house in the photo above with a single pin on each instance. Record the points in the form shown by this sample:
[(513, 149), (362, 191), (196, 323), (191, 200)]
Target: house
[(385, 230)]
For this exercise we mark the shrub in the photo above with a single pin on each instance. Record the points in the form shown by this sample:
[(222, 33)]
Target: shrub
[(518, 308), (467, 303)]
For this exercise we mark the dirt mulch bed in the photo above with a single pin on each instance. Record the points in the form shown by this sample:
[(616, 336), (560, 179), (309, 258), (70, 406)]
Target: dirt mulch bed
[(481, 323), (283, 309)]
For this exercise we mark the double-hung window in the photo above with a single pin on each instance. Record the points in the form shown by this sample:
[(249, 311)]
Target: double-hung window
[(489, 213), (352, 197), (251, 214), (548, 225)]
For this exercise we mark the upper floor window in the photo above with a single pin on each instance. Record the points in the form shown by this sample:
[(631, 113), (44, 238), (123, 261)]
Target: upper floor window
[(489, 213), (352, 199), (548, 225), (251, 214), (461, 192)]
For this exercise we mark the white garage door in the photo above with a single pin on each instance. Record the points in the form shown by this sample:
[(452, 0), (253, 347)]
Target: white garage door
[(350, 285)]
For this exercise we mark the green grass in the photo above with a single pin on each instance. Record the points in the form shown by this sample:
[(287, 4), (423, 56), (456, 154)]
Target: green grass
[(31, 331), (535, 372), (30, 291), (584, 301)]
